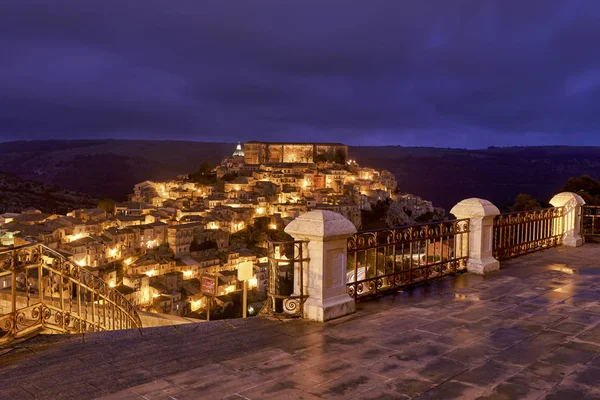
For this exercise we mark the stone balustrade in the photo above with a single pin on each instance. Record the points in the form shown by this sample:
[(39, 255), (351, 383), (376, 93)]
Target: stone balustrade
[(328, 232)]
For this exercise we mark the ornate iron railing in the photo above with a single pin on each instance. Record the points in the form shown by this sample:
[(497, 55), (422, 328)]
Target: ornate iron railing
[(389, 259), (288, 266), (41, 290), (519, 233), (590, 222)]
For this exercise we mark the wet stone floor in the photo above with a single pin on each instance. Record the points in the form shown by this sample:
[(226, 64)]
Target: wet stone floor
[(530, 331)]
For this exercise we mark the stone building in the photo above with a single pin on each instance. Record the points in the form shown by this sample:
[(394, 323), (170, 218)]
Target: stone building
[(296, 153)]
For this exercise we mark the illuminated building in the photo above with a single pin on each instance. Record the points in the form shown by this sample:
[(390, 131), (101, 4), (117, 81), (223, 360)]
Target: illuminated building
[(239, 152), (295, 153)]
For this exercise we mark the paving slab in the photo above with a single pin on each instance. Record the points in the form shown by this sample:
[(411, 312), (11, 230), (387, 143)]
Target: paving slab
[(529, 331)]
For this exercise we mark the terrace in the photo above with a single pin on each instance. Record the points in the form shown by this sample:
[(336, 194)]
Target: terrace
[(527, 330)]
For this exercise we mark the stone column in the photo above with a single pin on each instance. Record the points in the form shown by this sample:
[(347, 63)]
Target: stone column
[(571, 224), (327, 233), (481, 215)]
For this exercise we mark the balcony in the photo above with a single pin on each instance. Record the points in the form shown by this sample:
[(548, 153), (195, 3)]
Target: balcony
[(527, 330)]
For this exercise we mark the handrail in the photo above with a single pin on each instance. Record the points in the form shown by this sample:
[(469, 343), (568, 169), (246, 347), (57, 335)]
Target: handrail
[(50, 292), (524, 232), (387, 259), (287, 294), (590, 222), (426, 224)]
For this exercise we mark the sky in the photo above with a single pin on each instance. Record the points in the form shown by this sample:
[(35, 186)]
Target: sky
[(459, 73)]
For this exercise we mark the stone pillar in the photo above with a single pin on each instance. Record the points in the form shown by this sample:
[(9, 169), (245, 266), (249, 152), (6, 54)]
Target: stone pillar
[(327, 233), (571, 224), (481, 215)]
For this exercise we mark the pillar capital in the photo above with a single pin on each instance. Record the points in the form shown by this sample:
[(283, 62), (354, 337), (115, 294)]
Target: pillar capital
[(567, 199), (475, 207), (320, 224)]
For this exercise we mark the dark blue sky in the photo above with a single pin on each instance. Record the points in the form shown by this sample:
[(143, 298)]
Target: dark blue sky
[(459, 73)]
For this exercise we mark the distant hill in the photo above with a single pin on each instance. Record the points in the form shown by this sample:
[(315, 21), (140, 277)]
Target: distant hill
[(110, 168), (17, 194), (106, 168), (447, 176)]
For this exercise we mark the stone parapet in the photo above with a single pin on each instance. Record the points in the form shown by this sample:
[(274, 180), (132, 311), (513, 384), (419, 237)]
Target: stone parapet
[(327, 233), (571, 226), (481, 215)]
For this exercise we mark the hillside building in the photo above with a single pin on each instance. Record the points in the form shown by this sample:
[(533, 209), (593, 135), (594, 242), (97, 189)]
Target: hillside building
[(294, 153)]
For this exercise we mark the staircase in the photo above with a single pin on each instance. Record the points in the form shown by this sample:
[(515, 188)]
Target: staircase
[(41, 291)]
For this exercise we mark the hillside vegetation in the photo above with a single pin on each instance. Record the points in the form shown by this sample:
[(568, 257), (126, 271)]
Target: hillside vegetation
[(17, 194)]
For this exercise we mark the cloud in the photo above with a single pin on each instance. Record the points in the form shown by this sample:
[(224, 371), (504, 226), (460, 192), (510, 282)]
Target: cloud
[(463, 73)]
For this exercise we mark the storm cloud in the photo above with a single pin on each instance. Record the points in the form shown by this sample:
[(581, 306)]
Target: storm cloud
[(460, 73)]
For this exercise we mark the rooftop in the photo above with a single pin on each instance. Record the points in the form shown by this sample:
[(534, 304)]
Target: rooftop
[(528, 331), (80, 242), (133, 205)]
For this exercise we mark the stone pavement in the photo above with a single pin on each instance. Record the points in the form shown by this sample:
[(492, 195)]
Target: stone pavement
[(530, 331)]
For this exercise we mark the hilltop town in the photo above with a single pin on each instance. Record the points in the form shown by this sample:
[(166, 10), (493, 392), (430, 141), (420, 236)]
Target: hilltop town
[(155, 247)]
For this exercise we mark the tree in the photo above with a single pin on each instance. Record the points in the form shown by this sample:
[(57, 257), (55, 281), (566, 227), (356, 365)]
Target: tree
[(206, 245), (375, 218), (430, 216), (204, 175), (107, 205), (307, 155), (585, 186), (395, 215), (320, 158), (340, 156), (228, 177), (243, 236), (280, 236), (205, 168), (525, 202), (262, 224)]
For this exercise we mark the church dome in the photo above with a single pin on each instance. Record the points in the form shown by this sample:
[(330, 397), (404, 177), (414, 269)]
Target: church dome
[(239, 152)]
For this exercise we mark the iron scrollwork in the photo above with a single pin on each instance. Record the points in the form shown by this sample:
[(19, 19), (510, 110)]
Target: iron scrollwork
[(590, 222), (287, 263), (388, 259), (525, 232), (49, 291)]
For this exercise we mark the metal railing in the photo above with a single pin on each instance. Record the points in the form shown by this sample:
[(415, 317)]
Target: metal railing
[(288, 266), (590, 222), (388, 259), (524, 232), (41, 290)]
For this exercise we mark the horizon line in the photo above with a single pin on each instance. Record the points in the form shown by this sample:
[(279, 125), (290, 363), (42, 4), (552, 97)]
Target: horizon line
[(299, 142)]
